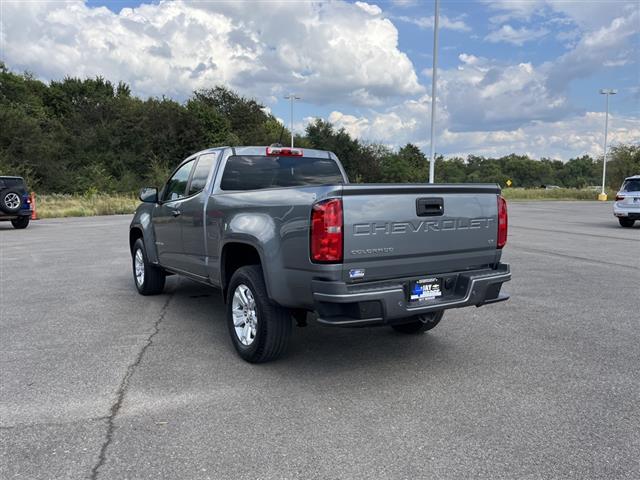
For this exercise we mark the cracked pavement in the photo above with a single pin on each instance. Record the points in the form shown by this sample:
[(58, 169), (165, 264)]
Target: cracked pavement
[(98, 382)]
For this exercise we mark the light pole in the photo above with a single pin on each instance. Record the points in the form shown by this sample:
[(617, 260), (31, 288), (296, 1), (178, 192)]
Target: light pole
[(434, 80), (292, 98), (607, 92)]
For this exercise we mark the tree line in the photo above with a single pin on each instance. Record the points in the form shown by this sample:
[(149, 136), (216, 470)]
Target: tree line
[(92, 135)]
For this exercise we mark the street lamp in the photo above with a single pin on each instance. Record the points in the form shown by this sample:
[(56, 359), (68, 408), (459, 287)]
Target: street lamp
[(434, 79), (292, 98), (607, 92)]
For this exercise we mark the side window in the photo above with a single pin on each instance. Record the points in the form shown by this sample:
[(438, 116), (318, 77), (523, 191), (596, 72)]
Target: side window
[(201, 172), (177, 185), (13, 183)]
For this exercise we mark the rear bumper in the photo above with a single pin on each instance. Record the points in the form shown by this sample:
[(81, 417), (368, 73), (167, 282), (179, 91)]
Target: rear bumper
[(21, 213), (341, 304), (631, 215), (626, 210)]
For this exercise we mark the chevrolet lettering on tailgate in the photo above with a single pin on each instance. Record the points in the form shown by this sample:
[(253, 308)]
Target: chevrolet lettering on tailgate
[(391, 228)]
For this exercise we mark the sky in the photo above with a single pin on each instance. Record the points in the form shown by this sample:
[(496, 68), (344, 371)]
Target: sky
[(513, 77)]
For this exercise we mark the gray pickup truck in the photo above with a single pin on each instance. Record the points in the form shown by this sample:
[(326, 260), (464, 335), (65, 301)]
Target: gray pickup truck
[(281, 232)]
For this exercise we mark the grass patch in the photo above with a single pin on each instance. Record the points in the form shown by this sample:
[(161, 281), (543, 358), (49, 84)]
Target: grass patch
[(553, 194), (58, 205)]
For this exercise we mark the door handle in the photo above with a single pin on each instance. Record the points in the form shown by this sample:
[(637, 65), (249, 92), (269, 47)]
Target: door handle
[(429, 207), (176, 213)]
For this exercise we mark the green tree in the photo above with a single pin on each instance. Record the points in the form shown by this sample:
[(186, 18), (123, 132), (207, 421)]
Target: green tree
[(624, 161), (453, 170)]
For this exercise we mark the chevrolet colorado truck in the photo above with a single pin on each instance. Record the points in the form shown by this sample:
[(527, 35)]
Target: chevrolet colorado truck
[(281, 232)]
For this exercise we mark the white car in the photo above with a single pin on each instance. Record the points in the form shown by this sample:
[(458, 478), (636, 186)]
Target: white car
[(627, 204)]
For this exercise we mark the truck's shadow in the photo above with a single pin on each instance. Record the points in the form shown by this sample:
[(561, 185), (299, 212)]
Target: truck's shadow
[(315, 348)]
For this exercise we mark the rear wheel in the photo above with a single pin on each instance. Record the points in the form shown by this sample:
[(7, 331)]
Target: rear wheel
[(626, 222), (421, 323), (20, 222), (259, 328), (149, 278)]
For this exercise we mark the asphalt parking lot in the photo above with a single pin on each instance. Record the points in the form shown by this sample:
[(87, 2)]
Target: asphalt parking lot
[(99, 382)]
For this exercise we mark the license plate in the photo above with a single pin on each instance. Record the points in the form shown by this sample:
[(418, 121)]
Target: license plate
[(424, 289)]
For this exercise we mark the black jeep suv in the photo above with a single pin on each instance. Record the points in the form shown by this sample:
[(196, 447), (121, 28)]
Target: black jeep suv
[(14, 201)]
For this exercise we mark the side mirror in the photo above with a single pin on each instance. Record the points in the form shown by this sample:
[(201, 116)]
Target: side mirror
[(149, 195)]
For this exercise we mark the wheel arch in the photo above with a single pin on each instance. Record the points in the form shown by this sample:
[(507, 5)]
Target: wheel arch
[(134, 234), (138, 232), (236, 254)]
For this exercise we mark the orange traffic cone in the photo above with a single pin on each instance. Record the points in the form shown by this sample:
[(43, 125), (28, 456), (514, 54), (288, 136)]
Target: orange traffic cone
[(32, 200)]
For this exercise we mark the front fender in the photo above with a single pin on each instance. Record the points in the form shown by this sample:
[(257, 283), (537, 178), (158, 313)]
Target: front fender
[(142, 220)]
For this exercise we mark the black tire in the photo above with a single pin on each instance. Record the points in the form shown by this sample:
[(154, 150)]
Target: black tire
[(20, 222), (272, 322), (9, 203), (153, 277), (626, 222), (421, 324)]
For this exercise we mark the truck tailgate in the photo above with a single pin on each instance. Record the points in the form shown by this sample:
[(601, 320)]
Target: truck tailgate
[(405, 230)]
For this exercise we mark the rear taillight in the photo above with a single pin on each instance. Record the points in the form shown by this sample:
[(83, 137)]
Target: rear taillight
[(503, 222), (326, 231), (619, 197)]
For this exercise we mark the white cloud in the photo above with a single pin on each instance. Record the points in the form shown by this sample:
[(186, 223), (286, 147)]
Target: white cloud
[(482, 94), (515, 36), (444, 22), (394, 126), (594, 14), (490, 108), (609, 45), (568, 36), (563, 139), (332, 52), (370, 9), (587, 15), (404, 3), (513, 9)]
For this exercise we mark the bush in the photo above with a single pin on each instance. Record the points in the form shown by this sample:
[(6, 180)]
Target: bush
[(89, 204)]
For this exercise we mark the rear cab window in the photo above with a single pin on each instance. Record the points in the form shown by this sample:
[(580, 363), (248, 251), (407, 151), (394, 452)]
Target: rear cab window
[(255, 172), (631, 185)]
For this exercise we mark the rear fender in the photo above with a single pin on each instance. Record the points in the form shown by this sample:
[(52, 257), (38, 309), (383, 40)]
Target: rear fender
[(258, 231)]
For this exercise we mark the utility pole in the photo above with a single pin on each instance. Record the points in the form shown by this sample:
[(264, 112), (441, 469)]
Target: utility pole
[(434, 80), (292, 98), (607, 92)]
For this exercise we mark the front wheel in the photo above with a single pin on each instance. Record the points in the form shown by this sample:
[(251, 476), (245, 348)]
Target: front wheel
[(626, 222), (149, 278), (259, 328), (20, 222), (422, 323)]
